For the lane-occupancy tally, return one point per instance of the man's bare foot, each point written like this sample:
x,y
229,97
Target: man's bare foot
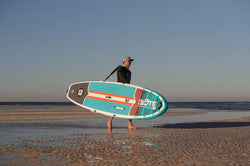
x,y
132,127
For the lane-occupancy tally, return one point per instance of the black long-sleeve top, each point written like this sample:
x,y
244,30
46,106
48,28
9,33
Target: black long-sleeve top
x,y
123,74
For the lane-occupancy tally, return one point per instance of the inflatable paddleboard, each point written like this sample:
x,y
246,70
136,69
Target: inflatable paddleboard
x,y
117,99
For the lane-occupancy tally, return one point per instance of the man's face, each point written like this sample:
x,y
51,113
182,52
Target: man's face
x,y
127,63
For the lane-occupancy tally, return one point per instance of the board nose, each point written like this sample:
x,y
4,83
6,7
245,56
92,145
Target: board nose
x,y
78,92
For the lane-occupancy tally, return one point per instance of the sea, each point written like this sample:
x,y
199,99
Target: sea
x,y
195,105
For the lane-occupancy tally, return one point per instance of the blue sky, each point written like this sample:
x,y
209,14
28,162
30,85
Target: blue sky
x,y
186,50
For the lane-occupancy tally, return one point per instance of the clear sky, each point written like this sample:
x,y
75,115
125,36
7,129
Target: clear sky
x,y
186,50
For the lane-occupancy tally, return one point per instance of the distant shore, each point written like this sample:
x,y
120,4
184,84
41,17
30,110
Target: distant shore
x,y
211,105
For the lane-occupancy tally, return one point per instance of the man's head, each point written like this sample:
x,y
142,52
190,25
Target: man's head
x,y
127,61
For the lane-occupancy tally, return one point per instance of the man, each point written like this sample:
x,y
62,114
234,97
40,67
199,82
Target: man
x,y
124,76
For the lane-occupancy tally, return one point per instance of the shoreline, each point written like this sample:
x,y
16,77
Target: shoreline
x,y
24,115
46,112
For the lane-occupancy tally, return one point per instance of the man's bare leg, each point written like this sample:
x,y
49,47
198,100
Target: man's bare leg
x,y
130,125
109,124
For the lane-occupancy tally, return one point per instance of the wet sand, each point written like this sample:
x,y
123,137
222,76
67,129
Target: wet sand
x,y
221,142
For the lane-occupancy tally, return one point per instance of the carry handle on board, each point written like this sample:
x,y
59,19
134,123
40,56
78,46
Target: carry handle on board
x,y
111,73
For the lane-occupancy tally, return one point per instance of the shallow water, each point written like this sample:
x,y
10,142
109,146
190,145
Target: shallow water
x,y
10,132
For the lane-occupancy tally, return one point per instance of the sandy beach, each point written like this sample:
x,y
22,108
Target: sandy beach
x,y
220,142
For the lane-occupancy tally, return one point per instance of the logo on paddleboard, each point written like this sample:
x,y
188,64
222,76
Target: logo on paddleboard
x,y
148,104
